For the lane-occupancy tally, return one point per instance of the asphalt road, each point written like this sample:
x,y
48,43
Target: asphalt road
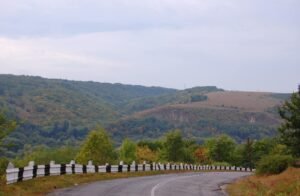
x,y
187,184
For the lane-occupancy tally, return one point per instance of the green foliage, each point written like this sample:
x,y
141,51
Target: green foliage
x,y
247,154
153,145
6,127
97,147
173,147
197,98
250,152
3,166
189,149
128,151
44,105
42,155
290,128
274,164
221,148
135,128
280,149
263,147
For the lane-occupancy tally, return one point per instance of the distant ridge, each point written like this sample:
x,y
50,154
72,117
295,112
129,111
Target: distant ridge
x,y
56,112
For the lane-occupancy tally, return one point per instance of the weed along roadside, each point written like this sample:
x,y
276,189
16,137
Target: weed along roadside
x,y
285,183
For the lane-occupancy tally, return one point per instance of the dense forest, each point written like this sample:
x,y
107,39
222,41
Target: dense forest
x,y
56,113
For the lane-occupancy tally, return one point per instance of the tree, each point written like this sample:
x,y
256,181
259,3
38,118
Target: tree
x,y
6,127
188,151
154,145
201,155
221,148
128,151
173,147
263,147
144,153
97,147
290,128
248,154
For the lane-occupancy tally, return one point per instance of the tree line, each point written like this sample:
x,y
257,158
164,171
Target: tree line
x,y
270,155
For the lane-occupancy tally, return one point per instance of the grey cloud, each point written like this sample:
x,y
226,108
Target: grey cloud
x,y
234,44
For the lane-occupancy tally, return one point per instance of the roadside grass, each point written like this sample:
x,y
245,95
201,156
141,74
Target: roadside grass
x,y
44,185
284,184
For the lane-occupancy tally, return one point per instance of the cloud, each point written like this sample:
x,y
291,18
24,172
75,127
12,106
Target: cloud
x,y
56,17
233,44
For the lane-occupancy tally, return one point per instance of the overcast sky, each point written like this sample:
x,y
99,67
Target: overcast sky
x,y
233,44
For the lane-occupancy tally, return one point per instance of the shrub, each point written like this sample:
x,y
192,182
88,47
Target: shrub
x,y
274,164
221,164
3,165
42,155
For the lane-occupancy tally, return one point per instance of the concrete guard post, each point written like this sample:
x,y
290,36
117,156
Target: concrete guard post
x,y
31,171
90,168
140,167
54,168
11,173
40,171
70,168
28,171
114,168
133,167
102,168
78,169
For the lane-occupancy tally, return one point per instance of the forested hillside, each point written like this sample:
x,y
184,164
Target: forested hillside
x,y
58,112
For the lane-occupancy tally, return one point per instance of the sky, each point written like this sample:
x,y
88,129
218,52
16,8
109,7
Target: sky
x,y
249,45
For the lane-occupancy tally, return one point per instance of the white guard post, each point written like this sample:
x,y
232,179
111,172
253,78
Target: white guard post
x,y
90,168
11,173
54,169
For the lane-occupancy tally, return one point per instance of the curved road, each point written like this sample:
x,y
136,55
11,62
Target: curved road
x,y
186,184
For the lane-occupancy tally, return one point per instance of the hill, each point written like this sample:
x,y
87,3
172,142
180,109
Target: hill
x,y
55,112
239,114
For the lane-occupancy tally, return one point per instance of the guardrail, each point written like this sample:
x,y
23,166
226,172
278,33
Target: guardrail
x,y
31,171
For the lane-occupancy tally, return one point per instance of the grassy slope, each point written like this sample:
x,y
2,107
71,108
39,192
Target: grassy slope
x,y
284,184
226,100
239,114
41,186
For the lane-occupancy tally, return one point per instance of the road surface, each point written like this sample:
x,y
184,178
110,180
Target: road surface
x,y
184,184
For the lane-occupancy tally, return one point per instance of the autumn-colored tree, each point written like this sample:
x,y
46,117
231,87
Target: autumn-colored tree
x,y
201,155
144,153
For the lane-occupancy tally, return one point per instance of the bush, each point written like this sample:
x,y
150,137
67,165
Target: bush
x,y
42,155
274,164
221,164
3,166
